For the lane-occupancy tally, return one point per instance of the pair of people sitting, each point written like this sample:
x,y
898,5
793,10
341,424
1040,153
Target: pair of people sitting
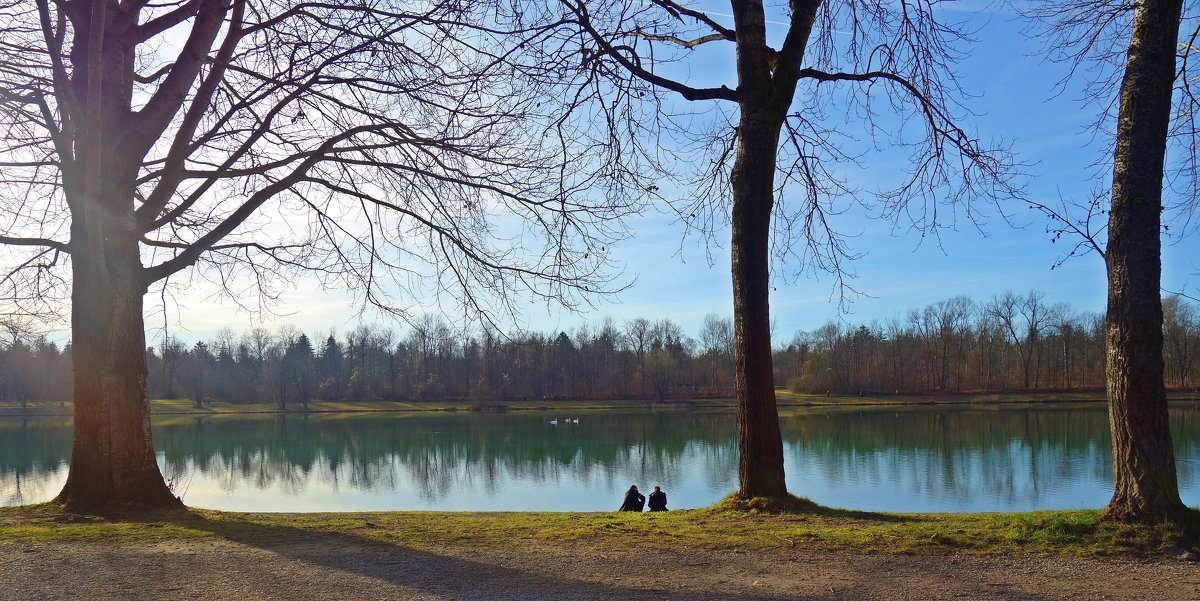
x,y
634,501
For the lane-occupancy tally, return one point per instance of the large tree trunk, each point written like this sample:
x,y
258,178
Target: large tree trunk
x,y
1146,489
112,461
760,446
766,84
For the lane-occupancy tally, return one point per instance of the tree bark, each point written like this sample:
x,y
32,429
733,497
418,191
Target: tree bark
x,y
760,445
766,85
1146,489
112,459
762,109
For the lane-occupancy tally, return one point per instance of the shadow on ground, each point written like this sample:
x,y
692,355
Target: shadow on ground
x,y
505,575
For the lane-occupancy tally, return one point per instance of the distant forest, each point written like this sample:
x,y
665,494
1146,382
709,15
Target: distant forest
x,y
1012,342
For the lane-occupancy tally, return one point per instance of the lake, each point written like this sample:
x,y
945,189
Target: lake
x,y
912,459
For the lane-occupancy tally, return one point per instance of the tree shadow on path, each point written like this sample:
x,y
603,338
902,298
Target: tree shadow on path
x,y
419,573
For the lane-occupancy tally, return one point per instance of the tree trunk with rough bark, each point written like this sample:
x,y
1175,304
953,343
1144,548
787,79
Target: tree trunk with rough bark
x,y
764,98
112,459
1146,489
760,445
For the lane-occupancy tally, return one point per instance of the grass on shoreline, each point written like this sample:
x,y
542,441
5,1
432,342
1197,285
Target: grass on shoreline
x,y
725,526
785,399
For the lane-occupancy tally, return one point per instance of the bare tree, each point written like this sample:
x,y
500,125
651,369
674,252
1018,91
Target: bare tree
x,y
1068,327
716,338
779,132
638,335
951,319
661,367
1023,319
372,143
1180,329
1142,40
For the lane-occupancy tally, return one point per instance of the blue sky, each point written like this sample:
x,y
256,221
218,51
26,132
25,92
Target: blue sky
x,y
1015,100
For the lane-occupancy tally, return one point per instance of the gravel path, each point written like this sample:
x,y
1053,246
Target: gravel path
x,y
314,565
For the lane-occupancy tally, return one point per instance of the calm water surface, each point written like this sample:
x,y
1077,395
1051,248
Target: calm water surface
x,y
908,460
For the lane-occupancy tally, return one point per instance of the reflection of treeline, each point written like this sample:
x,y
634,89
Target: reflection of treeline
x,y
1009,342
33,453
965,449
970,448
1070,428
33,446
966,429
371,452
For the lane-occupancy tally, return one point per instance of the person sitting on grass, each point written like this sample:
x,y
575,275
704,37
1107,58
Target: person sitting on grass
x,y
634,501
658,500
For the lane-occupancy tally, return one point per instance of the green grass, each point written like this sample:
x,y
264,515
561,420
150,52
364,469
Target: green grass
x,y
727,525
186,406
785,398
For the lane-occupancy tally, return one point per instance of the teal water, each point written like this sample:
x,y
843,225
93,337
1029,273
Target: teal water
x,y
925,459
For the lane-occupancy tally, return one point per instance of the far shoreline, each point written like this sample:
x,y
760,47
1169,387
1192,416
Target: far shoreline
x,y
784,399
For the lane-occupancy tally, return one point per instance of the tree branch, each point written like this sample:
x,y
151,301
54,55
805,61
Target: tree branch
x,y
153,27
786,62
68,104
192,253
633,66
149,123
933,113
181,143
676,10
45,242
692,43
231,246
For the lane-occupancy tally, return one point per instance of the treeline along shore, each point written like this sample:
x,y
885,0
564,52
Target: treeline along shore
x,y
954,349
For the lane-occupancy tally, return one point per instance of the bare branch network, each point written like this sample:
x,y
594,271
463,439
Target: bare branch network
x,y
1092,39
394,148
867,91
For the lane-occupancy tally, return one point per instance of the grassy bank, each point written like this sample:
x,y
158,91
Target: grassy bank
x,y
786,399
722,527
187,407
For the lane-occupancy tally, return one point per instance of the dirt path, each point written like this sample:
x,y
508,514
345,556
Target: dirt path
x,y
314,565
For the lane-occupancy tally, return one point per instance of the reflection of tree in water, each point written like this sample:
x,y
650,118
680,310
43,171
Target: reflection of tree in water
x,y
268,452
1012,455
18,488
438,455
33,458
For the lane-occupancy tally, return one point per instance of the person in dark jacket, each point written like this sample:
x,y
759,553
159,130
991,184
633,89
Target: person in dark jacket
x,y
658,500
634,501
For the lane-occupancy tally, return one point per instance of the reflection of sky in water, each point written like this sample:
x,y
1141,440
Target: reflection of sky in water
x,y
1009,478
28,487
900,461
